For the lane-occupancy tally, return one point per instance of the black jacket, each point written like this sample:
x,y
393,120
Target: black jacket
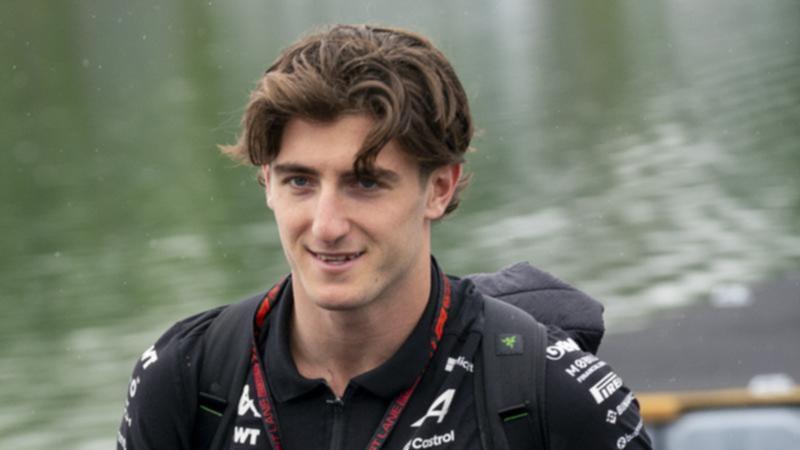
x,y
587,405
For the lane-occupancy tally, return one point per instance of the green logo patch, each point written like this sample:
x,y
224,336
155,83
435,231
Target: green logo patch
x,y
508,344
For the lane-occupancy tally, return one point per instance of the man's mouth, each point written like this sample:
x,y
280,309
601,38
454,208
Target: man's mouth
x,y
336,258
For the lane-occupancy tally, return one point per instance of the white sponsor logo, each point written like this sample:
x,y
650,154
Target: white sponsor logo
x,y
246,403
624,440
433,441
125,415
611,417
241,435
579,364
460,362
624,404
598,365
122,441
133,386
605,387
438,408
149,357
560,348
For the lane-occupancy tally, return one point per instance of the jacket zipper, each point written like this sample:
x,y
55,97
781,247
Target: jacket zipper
x,y
337,432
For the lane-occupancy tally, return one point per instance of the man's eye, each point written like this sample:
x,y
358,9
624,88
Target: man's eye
x,y
298,182
367,184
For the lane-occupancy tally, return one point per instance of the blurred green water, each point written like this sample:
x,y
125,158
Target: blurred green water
x,y
646,151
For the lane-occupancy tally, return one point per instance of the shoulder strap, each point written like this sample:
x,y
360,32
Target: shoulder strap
x,y
514,346
223,369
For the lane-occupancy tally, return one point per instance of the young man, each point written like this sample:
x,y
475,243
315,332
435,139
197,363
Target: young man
x,y
359,134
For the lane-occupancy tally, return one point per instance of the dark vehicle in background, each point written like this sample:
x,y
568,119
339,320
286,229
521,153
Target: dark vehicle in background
x,y
725,419
719,375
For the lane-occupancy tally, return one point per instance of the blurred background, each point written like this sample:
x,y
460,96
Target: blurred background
x,y
648,152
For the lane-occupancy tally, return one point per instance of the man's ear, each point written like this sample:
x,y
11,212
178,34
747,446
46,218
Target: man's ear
x,y
265,180
441,185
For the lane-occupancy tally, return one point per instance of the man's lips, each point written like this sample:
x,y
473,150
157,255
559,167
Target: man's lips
x,y
336,257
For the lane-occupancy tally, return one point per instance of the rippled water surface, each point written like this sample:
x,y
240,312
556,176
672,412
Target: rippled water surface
x,y
645,151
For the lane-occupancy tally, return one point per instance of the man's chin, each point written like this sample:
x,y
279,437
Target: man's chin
x,y
329,295
339,304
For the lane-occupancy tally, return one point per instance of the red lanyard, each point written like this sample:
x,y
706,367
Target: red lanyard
x,y
396,408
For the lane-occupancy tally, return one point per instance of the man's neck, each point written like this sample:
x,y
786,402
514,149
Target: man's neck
x,y
340,345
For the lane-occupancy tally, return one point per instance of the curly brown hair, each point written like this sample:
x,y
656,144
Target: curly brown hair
x,y
395,76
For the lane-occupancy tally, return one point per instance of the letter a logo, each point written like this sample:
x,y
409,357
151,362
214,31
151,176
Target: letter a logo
x,y
438,408
246,404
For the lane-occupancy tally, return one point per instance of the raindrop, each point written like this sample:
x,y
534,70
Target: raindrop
x,y
144,37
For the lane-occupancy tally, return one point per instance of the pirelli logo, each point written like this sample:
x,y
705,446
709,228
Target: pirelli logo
x,y
605,387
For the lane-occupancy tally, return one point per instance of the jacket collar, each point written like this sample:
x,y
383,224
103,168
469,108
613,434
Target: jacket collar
x,y
386,381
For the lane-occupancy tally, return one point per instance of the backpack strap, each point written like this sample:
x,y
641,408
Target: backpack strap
x,y
514,346
223,370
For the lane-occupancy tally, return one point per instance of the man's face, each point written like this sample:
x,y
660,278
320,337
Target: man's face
x,y
352,242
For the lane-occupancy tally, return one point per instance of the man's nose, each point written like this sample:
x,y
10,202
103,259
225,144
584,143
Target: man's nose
x,y
330,217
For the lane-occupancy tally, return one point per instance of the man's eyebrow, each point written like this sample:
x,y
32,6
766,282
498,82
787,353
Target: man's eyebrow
x,y
293,168
377,173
